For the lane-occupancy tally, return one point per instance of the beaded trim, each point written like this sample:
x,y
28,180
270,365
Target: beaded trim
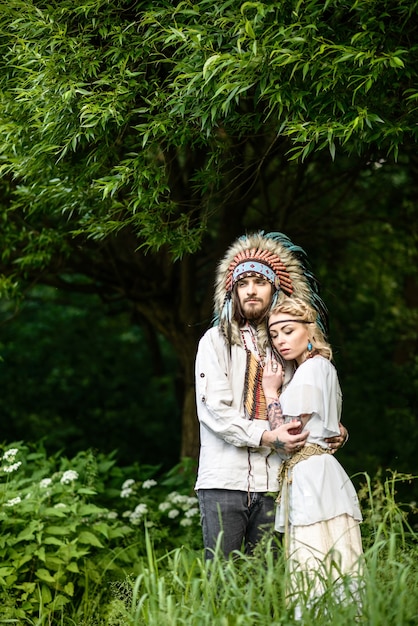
x,y
254,267
266,260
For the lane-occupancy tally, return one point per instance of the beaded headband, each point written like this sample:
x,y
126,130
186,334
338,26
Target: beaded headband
x,y
262,262
248,268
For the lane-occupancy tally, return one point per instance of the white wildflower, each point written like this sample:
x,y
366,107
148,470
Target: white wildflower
x,y
126,513
177,498
60,505
13,501
173,513
10,455
112,515
11,468
125,493
141,509
186,522
192,512
45,482
164,506
139,512
128,483
68,477
147,484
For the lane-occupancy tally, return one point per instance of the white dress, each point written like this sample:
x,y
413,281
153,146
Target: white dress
x,y
318,510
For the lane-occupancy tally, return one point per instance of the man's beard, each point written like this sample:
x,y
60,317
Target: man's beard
x,y
255,313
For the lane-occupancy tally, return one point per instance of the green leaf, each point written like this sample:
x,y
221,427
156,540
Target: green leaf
x,y
53,541
69,588
59,601
210,61
86,537
46,593
28,533
59,530
45,575
89,509
396,62
27,587
53,561
55,512
249,29
72,567
103,528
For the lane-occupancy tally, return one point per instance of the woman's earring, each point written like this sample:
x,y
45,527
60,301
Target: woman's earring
x,y
309,346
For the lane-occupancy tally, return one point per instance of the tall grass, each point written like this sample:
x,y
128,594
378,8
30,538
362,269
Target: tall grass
x,y
83,543
180,588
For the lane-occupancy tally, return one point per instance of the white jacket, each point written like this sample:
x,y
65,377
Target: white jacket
x,y
230,453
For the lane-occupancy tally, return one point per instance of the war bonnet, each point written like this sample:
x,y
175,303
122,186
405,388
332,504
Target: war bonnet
x,y
274,257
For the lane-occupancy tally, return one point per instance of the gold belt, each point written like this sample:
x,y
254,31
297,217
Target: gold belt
x,y
308,450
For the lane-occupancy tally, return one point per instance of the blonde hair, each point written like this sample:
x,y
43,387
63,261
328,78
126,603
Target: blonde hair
x,y
299,309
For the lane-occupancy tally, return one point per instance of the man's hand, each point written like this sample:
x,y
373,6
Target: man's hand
x,y
338,441
282,441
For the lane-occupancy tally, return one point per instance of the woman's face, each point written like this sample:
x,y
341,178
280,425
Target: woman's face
x,y
290,338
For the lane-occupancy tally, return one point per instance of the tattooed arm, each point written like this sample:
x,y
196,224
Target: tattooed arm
x,y
281,440
273,375
279,437
274,413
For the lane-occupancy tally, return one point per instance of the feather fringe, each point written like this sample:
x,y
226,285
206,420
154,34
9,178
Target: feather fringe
x,y
295,267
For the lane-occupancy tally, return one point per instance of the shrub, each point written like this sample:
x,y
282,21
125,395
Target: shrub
x,y
66,532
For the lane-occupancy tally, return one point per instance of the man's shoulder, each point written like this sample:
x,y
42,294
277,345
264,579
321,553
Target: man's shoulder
x,y
215,337
211,342
212,334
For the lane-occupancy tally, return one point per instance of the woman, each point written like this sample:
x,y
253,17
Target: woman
x,y
317,508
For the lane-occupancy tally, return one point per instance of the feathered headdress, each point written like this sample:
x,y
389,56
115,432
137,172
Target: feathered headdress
x,y
276,258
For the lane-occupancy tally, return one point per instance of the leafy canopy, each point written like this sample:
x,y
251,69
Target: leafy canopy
x,y
102,104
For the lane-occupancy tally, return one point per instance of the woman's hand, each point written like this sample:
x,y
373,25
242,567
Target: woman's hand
x,y
273,376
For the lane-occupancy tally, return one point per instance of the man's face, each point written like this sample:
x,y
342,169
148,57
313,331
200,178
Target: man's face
x,y
254,294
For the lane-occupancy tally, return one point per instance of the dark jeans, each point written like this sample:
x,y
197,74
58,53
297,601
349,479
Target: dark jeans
x,y
242,517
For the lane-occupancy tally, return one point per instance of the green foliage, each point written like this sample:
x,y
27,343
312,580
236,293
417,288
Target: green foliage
x,y
182,589
69,527
55,540
384,516
86,542
82,377
102,102
315,70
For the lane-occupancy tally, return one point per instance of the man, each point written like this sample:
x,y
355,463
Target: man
x,y
238,464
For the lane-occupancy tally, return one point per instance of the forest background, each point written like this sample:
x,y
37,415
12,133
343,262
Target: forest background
x,y
137,141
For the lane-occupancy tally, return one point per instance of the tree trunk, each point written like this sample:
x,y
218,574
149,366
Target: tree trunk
x,y
190,425
189,422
